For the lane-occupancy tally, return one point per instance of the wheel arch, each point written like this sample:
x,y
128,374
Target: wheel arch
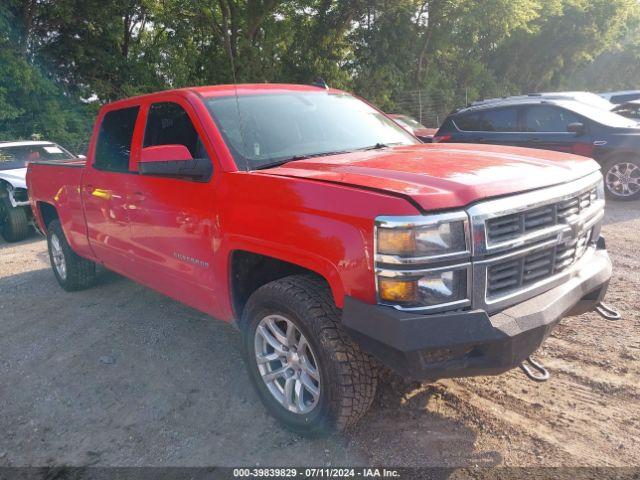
x,y
618,154
250,270
5,185
46,213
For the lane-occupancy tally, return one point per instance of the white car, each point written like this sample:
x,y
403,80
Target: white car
x,y
15,214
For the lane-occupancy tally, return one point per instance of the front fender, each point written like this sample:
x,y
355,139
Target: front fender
x,y
321,226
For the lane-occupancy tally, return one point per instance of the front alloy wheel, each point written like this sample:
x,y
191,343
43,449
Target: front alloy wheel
x,y
287,364
622,179
306,369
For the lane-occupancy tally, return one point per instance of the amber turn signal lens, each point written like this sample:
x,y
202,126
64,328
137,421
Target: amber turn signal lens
x,y
396,242
391,290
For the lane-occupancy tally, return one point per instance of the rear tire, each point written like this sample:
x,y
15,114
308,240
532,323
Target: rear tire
x,y
72,271
14,221
622,178
341,378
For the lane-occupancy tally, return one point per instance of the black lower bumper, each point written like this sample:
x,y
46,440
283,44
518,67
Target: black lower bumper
x,y
462,344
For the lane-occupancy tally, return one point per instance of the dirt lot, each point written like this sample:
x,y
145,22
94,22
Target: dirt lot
x,y
120,375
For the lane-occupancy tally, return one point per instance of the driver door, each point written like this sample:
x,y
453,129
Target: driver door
x,y
172,218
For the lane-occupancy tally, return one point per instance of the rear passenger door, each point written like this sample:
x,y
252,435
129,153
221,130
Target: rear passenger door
x,y
546,128
105,188
497,127
173,218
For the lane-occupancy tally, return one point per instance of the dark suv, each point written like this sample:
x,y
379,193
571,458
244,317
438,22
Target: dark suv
x,y
562,125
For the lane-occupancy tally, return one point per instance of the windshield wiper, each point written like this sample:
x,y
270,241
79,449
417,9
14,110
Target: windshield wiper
x,y
294,158
379,146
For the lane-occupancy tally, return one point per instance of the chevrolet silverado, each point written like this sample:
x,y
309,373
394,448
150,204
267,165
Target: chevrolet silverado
x,y
335,241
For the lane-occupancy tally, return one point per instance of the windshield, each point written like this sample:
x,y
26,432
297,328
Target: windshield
x,y
594,100
18,156
603,117
288,126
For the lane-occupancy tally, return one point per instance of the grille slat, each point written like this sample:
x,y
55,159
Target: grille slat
x,y
504,227
503,285
508,227
562,254
511,275
541,217
513,271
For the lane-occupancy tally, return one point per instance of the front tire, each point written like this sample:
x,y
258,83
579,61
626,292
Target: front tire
x,y
307,371
622,178
13,221
72,271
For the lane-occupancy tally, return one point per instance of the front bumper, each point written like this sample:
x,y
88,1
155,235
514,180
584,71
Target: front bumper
x,y
469,343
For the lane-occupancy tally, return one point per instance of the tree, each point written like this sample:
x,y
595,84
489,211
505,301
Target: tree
x,y
63,58
31,103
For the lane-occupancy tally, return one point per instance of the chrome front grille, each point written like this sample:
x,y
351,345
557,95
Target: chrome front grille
x,y
504,228
504,277
526,244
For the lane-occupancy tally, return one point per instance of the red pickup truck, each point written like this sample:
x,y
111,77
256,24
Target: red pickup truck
x,y
332,238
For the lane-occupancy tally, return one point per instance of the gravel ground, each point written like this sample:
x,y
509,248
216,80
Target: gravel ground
x,y
122,376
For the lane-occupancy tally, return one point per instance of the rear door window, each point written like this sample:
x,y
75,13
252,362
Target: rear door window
x,y
499,120
469,123
169,124
547,118
114,140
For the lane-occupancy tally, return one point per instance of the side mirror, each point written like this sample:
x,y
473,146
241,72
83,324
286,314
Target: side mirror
x,y
576,127
82,157
173,161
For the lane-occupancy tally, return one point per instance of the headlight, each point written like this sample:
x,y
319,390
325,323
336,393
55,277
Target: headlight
x,y
439,288
420,239
422,263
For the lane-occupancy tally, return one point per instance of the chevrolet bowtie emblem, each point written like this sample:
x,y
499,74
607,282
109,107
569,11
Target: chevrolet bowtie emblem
x,y
576,228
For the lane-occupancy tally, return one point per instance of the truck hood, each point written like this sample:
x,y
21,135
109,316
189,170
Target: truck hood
x,y
15,177
442,176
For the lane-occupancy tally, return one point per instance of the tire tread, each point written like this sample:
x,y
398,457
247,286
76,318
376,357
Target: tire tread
x,y
17,226
81,272
356,379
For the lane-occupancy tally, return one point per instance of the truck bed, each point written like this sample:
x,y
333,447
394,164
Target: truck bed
x,y
58,184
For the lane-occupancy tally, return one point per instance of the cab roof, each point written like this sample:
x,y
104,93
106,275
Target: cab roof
x,y
508,102
233,89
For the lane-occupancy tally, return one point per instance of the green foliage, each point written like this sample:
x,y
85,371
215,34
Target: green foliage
x,y
33,105
411,55
562,39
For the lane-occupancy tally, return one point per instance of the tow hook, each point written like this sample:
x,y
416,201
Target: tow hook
x,y
607,312
538,373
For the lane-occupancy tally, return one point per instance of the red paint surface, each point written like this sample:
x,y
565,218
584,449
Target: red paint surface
x,y
178,236
165,153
